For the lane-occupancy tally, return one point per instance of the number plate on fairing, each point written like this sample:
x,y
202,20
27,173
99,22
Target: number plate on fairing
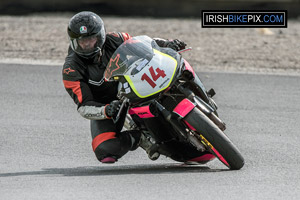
x,y
155,77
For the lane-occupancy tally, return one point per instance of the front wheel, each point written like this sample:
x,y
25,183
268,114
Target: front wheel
x,y
214,139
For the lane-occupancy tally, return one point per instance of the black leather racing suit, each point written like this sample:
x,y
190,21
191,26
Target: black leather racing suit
x,y
83,80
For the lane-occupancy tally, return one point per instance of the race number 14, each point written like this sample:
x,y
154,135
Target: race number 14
x,y
155,76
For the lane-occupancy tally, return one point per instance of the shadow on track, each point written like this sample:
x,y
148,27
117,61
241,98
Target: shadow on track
x,y
118,170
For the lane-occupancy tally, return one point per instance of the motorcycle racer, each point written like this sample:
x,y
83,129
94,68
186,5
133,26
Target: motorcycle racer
x,y
88,55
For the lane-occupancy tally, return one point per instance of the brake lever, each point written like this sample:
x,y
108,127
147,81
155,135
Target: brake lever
x,y
124,100
184,50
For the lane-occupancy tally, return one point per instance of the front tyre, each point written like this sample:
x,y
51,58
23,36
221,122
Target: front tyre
x,y
215,140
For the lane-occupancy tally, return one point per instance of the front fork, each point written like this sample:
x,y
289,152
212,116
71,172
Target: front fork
x,y
176,120
203,106
185,133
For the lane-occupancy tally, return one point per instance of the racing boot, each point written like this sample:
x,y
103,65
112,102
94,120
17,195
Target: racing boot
x,y
150,147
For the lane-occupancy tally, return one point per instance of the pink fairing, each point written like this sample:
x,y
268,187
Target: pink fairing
x,y
142,112
188,67
204,158
184,107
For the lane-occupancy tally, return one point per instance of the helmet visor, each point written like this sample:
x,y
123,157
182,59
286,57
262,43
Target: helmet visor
x,y
88,45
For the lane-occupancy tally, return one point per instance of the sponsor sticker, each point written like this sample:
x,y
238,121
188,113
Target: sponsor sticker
x,y
83,29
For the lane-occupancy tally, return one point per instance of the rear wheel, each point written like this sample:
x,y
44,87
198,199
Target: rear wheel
x,y
215,140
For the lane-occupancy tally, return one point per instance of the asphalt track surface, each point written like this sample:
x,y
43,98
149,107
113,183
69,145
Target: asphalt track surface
x,y
46,153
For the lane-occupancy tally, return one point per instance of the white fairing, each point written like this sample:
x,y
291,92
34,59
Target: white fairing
x,y
153,77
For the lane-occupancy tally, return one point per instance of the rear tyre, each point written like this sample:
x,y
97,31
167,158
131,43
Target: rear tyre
x,y
219,144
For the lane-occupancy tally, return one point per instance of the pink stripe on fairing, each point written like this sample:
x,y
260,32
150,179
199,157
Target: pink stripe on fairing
x,y
190,126
220,157
206,157
184,107
142,112
189,67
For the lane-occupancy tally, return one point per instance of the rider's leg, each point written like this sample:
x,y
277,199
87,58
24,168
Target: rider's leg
x,y
110,145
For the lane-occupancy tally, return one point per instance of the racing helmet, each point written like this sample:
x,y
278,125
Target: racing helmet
x,y
86,34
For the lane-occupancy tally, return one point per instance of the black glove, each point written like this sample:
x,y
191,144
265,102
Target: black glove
x,y
112,109
176,44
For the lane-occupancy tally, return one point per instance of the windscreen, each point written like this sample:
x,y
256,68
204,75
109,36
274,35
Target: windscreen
x,y
135,51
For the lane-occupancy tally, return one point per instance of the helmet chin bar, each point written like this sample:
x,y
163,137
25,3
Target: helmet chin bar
x,y
76,48
90,55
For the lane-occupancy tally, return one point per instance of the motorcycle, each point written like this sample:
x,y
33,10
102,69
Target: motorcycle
x,y
163,98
